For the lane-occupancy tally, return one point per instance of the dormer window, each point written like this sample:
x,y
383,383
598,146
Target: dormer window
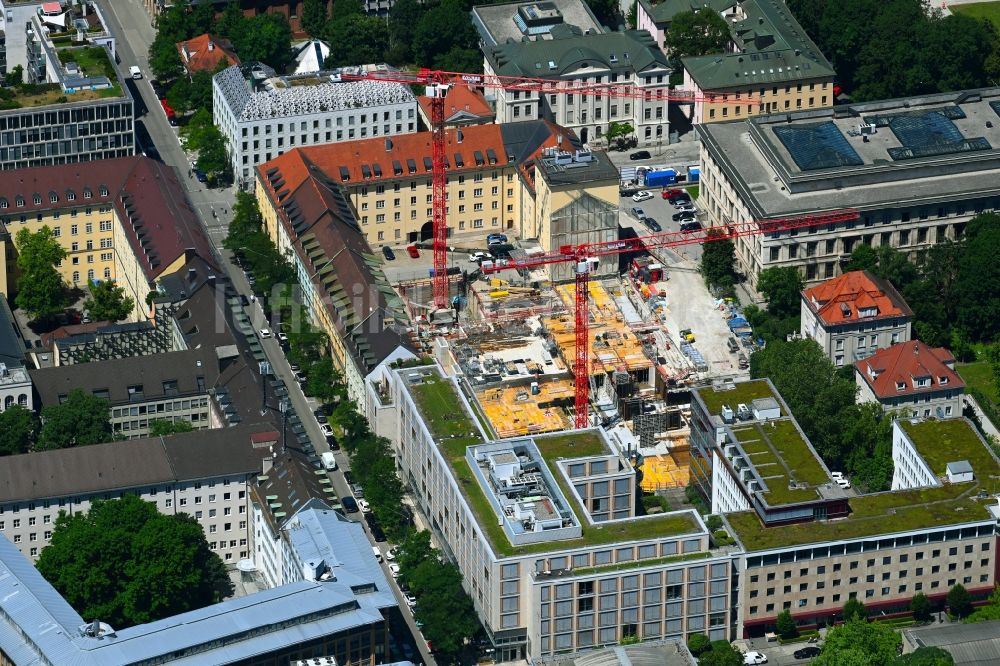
x,y
70,195
942,380
3,202
868,312
37,199
53,197
19,201
87,193
922,382
104,190
900,386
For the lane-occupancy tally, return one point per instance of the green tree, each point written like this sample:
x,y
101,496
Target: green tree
x,y
164,60
925,656
866,446
412,552
440,30
314,16
17,430
699,644
356,38
231,22
696,33
81,420
40,289
403,22
164,427
14,77
606,11
246,221
125,563
618,134
785,625
324,382
721,654
959,601
854,610
213,154
978,283
443,608
717,260
920,606
108,302
782,287
858,642
990,611
266,38
191,94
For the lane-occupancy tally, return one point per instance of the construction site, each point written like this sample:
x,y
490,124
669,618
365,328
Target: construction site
x,y
511,337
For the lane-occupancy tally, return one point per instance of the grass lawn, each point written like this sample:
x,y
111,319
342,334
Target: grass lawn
x,y
978,374
693,191
768,446
987,10
451,428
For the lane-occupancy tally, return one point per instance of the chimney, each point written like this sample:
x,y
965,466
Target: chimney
x,y
211,45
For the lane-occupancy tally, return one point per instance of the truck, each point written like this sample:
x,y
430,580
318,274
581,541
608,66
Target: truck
x,y
329,462
740,327
135,72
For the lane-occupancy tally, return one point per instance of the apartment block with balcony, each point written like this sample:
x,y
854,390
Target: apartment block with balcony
x,y
911,379
545,530
809,545
874,159
854,315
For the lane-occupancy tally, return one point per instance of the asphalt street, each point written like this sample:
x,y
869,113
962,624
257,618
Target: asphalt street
x,y
214,209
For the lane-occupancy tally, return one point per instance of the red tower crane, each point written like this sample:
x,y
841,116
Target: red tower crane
x,y
437,82
581,255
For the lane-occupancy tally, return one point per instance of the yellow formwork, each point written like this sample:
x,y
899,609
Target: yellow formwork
x,y
613,345
666,470
514,411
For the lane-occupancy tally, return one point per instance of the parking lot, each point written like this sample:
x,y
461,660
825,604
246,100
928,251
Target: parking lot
x,y
403,267
662,211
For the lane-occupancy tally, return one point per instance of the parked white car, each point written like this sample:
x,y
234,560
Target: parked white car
x,y
394,569
265,333
753,658
363,505
641,195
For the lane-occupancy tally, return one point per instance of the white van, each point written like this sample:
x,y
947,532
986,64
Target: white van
x,y
135,72
329,462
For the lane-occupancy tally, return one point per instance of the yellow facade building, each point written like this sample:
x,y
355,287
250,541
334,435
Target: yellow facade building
x,y
127,221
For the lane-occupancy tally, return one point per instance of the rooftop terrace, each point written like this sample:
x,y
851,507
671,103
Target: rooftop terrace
x,y
939,442
742,392
454,431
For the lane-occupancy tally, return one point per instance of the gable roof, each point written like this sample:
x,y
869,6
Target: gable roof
x,y
205,53
462,105
367,313
156,216
900,365
663,12
841,300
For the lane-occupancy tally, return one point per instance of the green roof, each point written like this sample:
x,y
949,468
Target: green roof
x,y
939,442
451,427
953,440
745,392
779,453
631,51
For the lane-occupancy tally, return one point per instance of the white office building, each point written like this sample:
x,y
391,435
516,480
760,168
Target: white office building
x,y
262,115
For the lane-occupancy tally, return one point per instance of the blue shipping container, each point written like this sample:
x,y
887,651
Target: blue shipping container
x,y
661,178
694,174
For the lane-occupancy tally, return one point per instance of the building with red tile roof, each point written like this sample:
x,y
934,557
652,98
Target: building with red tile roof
x,y
128,221
913,378
206,53
388,179
462,106
854,315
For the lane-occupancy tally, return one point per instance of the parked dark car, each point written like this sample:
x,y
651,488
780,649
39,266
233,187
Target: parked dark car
x,y
640,155
807,652
349,504
691,226
201,176
388,253
375,528
348,477
157,88
653,225
684,216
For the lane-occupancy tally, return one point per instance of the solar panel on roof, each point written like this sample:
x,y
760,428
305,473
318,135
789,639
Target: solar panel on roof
x,y
817,146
